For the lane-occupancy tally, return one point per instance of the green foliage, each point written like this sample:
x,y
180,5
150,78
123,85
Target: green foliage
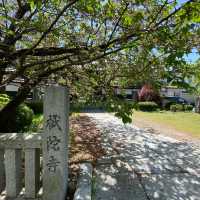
x,y
24,118
167,106
35,4
37,123
180,107
177,107
147,106
188,107
153,37
122,109
37,107
79,106
24,114
4,99
4,96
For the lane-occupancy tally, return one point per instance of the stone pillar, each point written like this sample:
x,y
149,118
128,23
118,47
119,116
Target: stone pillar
x,y
13,165
32,172
2,171
55,143
84,185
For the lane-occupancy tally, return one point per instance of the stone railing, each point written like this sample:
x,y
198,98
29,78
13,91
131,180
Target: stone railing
x,y
21,154
20,164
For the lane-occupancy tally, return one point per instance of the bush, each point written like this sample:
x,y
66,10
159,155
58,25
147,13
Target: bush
x,y
188,107
24,115
177,107
147,106
168,105
4,99
37,107
180,107
37,123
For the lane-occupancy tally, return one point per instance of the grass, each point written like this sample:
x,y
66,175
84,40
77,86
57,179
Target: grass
x,y
186,122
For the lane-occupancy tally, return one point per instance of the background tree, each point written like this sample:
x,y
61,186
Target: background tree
x,y
194,82
148,93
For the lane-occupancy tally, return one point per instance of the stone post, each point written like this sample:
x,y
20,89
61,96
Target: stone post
x,y
55,143
13,166
2,171
32,172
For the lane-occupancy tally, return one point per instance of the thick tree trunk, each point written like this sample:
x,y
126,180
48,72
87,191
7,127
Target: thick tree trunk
x,y
8,113
197,105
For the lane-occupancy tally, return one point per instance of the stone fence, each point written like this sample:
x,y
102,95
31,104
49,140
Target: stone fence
x,y
15,150
27,160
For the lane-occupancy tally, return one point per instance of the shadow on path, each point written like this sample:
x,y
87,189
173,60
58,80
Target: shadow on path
x,y
141,165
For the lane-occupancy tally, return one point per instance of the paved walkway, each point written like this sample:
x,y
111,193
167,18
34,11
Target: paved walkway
x,y
144,166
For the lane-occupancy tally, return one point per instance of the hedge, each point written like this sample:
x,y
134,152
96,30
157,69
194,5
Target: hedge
x,y
188,107
176,107
147,106
180,107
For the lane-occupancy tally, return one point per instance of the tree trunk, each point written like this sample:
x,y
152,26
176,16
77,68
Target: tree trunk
x,y
197,105
8,113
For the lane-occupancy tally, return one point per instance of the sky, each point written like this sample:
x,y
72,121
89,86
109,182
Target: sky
x,y
192,57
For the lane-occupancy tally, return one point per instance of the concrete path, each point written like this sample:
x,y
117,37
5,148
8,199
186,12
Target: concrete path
x,y
144,166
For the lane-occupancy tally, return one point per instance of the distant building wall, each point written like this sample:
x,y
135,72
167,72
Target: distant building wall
x,y
12,88
168,92
171,92
35,95
178,92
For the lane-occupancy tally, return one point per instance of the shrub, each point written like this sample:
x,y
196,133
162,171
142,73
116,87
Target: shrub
x,y
24,114
37,123
4,96
180,107
177,107
147,106
37,107
136,105
4,99
188,107
168,105
24,117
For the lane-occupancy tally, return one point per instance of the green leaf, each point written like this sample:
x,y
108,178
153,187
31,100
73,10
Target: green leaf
x,y
32,4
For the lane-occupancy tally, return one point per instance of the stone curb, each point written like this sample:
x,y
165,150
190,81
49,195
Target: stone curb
x,y
84,185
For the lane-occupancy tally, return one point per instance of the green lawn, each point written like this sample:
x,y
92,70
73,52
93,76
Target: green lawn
x,y
181,121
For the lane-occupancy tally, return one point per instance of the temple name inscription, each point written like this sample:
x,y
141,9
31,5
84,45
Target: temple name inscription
x,y
53,142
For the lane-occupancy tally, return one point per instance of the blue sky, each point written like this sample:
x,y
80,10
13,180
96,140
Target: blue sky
x,y
192,57
182,1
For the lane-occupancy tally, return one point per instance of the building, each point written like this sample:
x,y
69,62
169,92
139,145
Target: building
x,y
169,91
178,92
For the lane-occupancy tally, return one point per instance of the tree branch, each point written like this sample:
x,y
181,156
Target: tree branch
x,y
118,21
53,23
174,12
